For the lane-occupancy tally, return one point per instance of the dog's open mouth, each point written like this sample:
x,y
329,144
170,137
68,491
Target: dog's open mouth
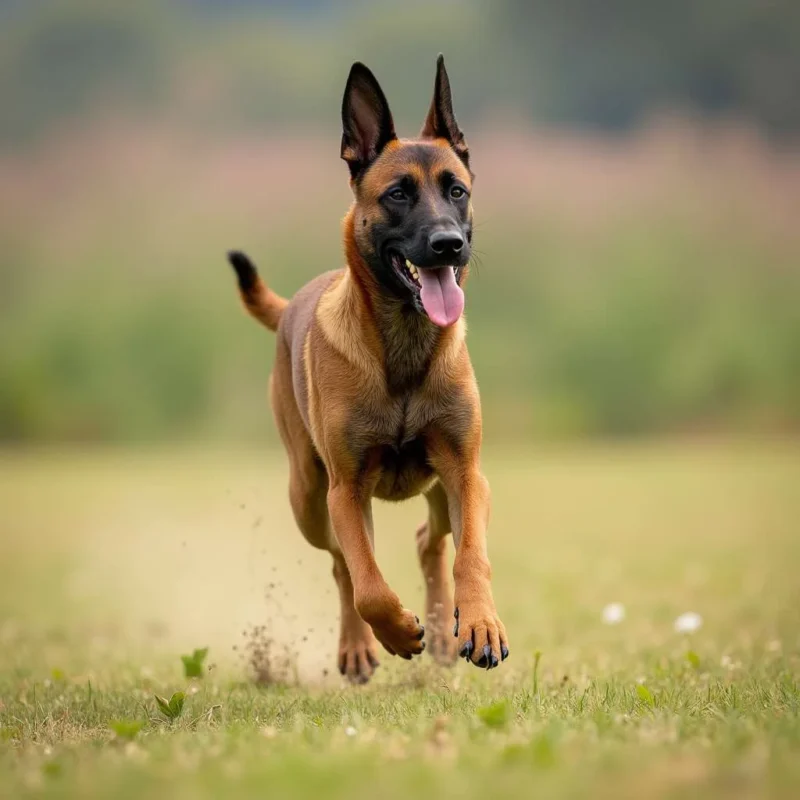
x,y
441,296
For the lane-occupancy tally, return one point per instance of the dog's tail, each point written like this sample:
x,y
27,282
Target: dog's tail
x,y
260,301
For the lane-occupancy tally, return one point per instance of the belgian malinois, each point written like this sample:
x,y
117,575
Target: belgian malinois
x,y
373,391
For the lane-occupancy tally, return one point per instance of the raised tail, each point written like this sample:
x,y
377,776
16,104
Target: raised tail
x,y
262,303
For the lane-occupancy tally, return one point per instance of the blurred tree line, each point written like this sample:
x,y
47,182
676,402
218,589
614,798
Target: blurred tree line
x,y
118,316
608,63
272,63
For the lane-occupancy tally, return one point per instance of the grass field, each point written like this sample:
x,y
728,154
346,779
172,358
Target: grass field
x,y
113,564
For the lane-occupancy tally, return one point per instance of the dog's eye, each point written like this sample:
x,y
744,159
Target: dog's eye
x,y
398,195
457,192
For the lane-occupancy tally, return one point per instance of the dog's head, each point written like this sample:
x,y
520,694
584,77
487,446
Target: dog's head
x,y
413,212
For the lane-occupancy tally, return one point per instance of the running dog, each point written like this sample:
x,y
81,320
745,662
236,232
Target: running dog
x,y
373,391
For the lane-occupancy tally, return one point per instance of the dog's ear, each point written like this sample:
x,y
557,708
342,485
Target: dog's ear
x,y
441,121
367,125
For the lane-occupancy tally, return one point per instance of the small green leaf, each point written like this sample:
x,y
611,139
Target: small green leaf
x,y
57,674
496,715
693,659
191,669
176,704
163,706
173,707
645,695
193,664
126,729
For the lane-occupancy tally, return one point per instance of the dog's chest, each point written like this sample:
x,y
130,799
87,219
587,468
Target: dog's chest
x,y
397,448
397,421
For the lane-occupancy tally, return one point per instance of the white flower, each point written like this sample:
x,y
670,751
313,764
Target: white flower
x,y
688,622
350,731
613,613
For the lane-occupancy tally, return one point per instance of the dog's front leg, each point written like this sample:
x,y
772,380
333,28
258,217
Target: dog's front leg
x,y
481,635
395,627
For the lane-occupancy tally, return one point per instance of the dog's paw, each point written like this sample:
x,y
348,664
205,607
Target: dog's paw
x,y
400,633
358,658
480,635
395,627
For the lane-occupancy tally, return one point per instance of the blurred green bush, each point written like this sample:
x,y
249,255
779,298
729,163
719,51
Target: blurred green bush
x,y
128,167
634,329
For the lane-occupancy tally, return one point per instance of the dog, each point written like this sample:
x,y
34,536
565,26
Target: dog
x,y
373,391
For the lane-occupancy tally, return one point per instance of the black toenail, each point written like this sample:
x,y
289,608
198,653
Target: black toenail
x,y
503,652
494,662
455,613
455,629
421,632
466,650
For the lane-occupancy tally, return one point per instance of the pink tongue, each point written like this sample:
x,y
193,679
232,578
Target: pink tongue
x,y
442,297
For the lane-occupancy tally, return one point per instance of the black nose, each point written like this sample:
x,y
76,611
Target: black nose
x,y
446,242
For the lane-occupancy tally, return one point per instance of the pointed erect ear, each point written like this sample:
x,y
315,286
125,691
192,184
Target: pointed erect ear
x,y
367,125
441,122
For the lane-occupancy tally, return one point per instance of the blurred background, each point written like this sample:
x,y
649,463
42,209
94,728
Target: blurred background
x,y
637,199
634,316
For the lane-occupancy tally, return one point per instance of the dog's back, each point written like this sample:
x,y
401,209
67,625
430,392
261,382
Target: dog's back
x,y
293,331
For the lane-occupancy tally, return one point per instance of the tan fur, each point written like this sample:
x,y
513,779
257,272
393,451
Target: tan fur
x,y
389,408
264,305
338,315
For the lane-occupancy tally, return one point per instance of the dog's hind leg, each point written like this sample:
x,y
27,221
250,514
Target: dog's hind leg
x,y
432,552
357,643
308,490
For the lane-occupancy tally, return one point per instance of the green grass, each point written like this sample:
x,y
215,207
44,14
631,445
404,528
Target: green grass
x,y
113,565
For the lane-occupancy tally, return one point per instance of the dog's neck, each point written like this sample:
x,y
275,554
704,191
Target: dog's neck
x,y
409,341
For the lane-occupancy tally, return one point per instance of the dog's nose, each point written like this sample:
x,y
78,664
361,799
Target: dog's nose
x,y
446,243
